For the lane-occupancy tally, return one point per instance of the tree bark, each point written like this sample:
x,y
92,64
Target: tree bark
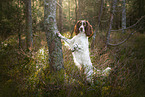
x,y
79,9
111,22
29,35
141,13
123,16
60,17
76,11
69,5
97,28
54,43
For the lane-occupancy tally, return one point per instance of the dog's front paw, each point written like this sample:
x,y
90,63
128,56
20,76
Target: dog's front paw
x,y
58,34
76,47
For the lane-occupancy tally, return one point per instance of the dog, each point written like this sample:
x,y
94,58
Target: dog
x,y
79,46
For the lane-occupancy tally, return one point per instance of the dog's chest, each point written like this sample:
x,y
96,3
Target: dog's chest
x,y
82,40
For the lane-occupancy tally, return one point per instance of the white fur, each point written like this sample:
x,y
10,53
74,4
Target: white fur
x,y
80,46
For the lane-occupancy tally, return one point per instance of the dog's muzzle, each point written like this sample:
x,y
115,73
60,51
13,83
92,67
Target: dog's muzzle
x,y
81,29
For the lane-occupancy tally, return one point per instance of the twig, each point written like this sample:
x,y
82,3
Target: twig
x,y
122,41
58,4
129,26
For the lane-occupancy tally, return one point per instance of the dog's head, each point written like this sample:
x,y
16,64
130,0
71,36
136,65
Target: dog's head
x,y
83,26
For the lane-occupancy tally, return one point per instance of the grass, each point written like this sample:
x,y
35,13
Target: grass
x,y
27,74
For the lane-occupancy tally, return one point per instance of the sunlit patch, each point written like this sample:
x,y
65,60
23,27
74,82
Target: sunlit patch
x,y
41,57
41,51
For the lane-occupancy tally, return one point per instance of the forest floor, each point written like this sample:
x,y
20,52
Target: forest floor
x,y
25,74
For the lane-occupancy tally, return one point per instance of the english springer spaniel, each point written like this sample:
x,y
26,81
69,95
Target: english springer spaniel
x,y
79,46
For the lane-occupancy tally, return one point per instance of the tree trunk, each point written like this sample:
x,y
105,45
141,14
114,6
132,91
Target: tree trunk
x,y
69,5
141,13
76,11
19,24
79,9
54,43
111,22
60,17
97,28
123,16
29,35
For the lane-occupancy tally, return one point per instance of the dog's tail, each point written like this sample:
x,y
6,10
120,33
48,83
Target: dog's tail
x,y
105,72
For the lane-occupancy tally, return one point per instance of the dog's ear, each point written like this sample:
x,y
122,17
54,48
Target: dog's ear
x,y
89,29
76,28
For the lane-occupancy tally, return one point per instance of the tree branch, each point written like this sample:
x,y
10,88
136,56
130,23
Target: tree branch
x,y
129,26
122,41
129,34
58,4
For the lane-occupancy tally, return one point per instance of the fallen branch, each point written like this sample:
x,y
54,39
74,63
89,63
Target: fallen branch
x,y
129,34
129,26
122,41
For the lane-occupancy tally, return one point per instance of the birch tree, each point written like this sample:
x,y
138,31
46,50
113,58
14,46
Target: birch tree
x,y
123,16
54,43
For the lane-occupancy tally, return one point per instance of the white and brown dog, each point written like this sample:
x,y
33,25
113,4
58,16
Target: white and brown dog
x,y
79,46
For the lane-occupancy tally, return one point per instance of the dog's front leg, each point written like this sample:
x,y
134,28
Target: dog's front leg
x,y
63,38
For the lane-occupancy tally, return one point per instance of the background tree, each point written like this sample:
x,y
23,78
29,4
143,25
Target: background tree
x,y
60,24
98,24
136,11
76,10
111,21
123,15
29,35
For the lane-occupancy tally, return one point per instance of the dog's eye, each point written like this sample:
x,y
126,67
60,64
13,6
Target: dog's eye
x,y
79,23
84,24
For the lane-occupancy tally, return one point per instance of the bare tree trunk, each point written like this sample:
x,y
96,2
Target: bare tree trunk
x,y
79,9
29,35
76,19
111,22
123,16
69,5
141,13
19,29
97,28
76,11
54,43
60,17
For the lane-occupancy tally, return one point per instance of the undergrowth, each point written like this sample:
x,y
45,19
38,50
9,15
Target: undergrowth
x,y
27,74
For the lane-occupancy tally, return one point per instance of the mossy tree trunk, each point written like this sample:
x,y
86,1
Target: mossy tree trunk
x,y
60,17
54,43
